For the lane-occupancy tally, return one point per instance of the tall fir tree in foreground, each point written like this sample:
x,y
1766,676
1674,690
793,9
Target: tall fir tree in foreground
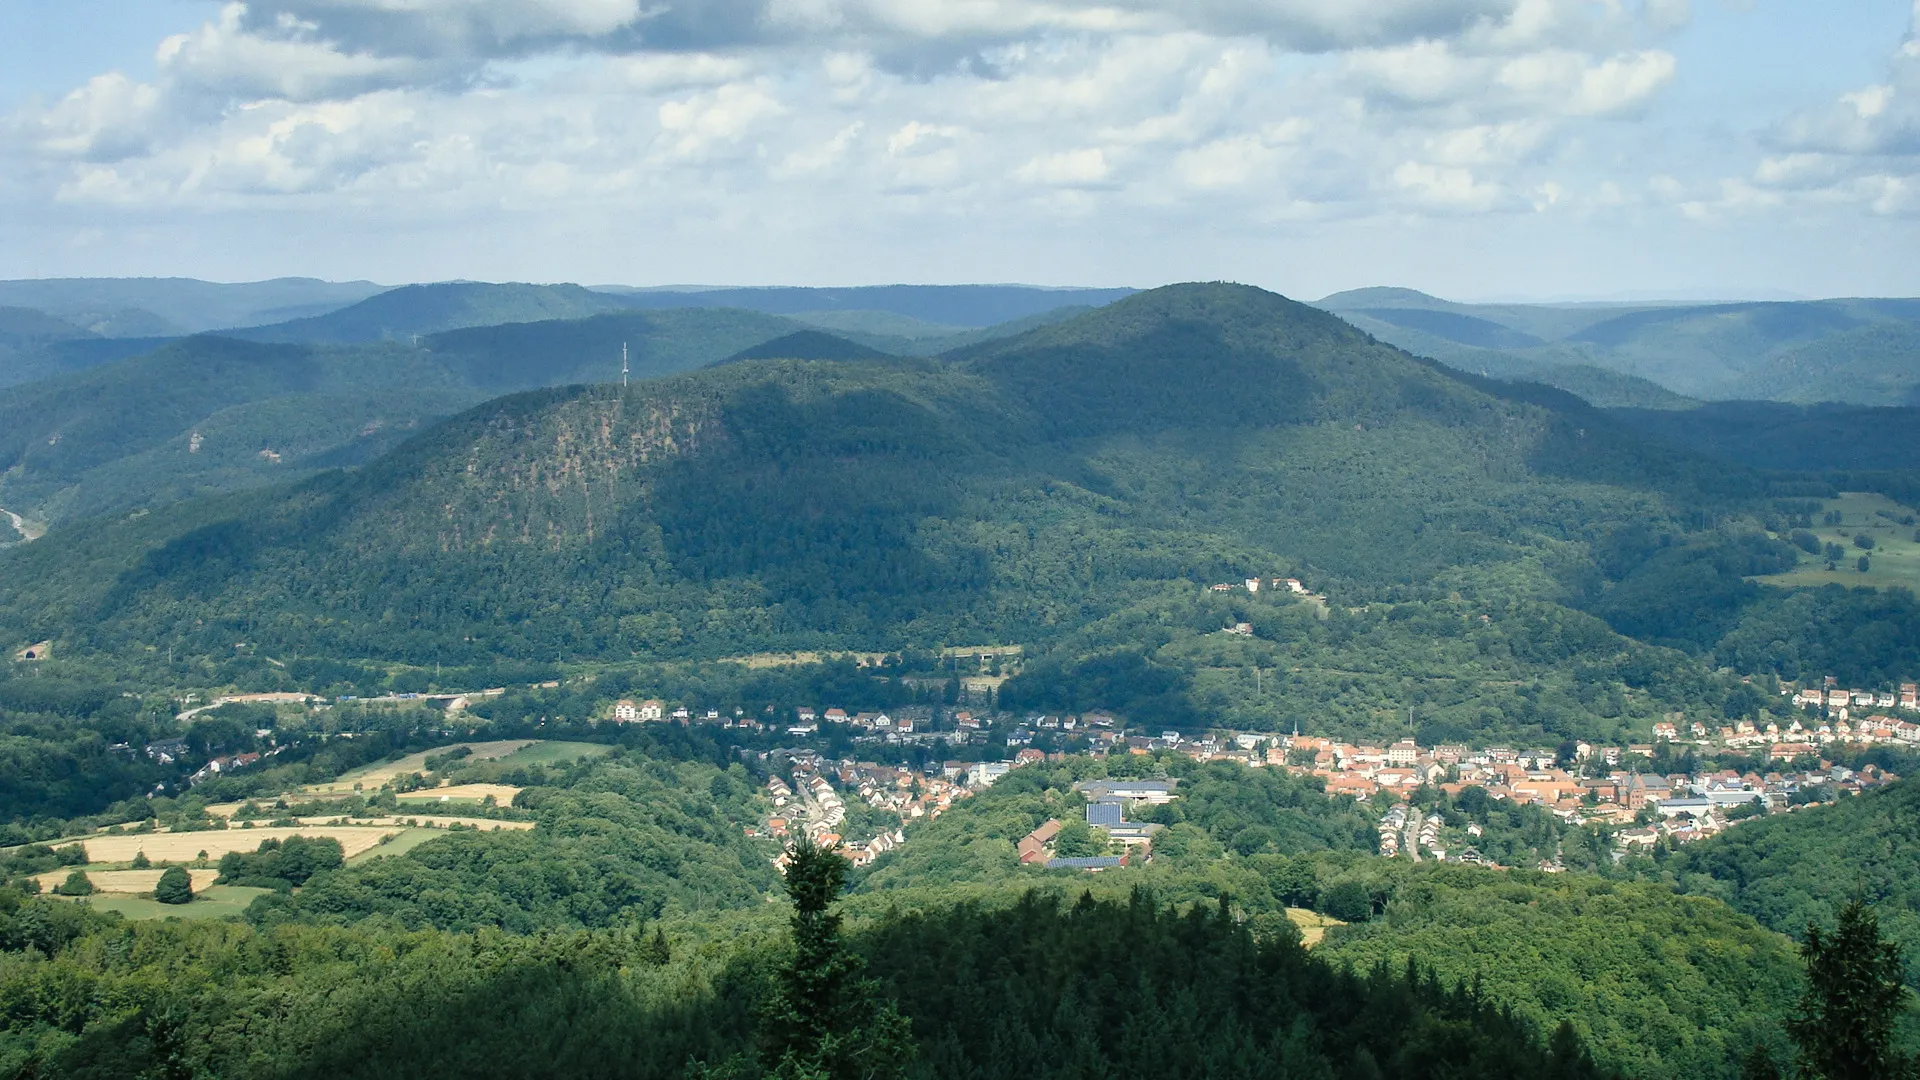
x,y
829,1021
1855,992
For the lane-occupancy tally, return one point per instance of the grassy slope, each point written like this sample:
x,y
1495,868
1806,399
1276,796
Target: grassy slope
x,y
1894,561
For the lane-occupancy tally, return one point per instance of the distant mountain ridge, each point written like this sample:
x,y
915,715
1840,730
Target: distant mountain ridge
x,y
398,314
176,306
1860,351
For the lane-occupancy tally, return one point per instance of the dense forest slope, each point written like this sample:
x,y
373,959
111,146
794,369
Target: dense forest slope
x,y
211,414
1076,488
1772,435
1031,988
1194,434
1794,870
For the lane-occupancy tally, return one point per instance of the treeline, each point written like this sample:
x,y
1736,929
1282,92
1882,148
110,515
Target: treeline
x,y
1521,672
1791,871
1037,987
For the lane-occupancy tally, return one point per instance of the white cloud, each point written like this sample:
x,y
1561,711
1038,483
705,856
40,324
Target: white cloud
x,y
109,118
1446,187
845,117
696,124
1862,148
1070,168
225,58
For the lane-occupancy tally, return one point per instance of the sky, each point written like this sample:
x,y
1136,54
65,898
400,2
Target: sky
x,y
1476,149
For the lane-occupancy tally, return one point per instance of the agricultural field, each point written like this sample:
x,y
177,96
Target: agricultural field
x,y
217,902
419,821
502,794
548,753
370,777
1894,561
124,881
186,847
1313,925
401,843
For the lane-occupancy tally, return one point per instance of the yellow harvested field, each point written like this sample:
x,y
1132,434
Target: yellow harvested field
x,y
184,847
372,776
502,793
1313,925
125,881
430,821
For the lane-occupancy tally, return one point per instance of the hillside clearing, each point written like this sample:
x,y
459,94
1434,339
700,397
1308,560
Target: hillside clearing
x,y
217,902
1313,925
1893,562
549,752
370,777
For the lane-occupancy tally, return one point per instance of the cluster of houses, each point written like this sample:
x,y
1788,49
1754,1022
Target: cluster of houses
x,y
812,806
1645,807
806,721
1403,827
1106,811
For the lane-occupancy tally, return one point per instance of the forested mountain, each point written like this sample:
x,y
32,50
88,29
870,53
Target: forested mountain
x,y
35,345
1853,350
947,305
1194,433
210,414
1075,488
403,313
1878,364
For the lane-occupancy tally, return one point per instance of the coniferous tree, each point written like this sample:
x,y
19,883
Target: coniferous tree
x,y
658,953
1855,991
828,1021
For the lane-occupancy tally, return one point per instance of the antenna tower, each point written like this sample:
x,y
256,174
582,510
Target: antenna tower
x,y
623,365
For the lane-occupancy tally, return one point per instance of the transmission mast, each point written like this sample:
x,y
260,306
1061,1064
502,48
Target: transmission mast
x,y
623,365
